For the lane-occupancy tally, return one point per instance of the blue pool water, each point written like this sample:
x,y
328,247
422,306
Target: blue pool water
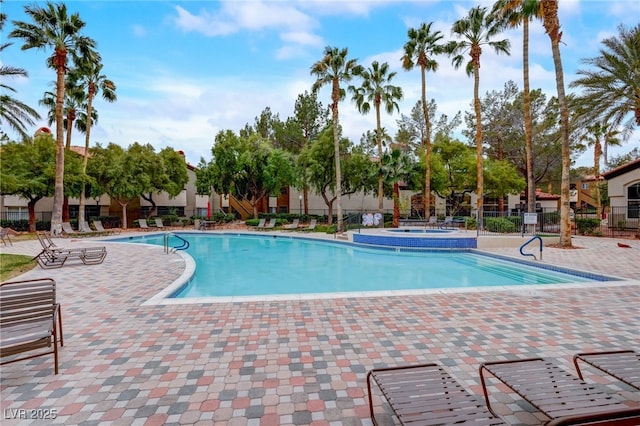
x,y
241,265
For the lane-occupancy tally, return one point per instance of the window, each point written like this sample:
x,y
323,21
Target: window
x,y
633,201
585,185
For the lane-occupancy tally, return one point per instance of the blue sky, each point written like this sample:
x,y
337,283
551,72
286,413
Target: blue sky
x,y
185,70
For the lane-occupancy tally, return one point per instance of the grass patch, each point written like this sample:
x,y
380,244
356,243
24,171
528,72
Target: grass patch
x,y
12,265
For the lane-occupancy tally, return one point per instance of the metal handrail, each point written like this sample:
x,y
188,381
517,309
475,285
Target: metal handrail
x,y
185,244
527,243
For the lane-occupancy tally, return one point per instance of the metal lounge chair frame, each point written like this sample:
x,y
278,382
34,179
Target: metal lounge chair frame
x,y
562,397
4,233
311,226
426,394
270,224
159,223
53,256
623,365
293,225
30,319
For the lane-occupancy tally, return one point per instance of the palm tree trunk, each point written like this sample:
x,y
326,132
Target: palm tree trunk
x,y
379,141
58,194
427,147
396,204
597,152
552,27
85,158
528,137
335,97
476,107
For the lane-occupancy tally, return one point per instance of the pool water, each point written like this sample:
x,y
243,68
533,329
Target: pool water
x,y
243,265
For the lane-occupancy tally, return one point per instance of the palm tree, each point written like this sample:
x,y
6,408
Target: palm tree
x,y
476,30
551,25
611,91
88,75
377,89
422,46
333,68
514,13
15,113
74,103
396,166
53,28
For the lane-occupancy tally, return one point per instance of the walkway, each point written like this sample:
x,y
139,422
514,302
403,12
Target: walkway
x,y
294,362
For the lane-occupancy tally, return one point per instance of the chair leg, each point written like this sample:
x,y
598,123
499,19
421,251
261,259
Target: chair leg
x,y
60,326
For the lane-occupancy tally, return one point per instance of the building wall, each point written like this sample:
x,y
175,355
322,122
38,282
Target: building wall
x,y
618,187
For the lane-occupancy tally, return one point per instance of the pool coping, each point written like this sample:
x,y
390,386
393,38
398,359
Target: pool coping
x,y
163,296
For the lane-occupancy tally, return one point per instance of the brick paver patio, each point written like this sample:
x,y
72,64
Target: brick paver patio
x,y
297,362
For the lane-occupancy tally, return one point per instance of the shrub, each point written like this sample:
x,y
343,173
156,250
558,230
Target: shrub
x,y
471,223
587,226
499,224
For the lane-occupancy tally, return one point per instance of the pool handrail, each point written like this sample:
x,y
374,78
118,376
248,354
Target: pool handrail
x,y
535,237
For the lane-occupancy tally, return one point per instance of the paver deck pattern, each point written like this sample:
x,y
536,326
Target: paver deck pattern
x,y
296,362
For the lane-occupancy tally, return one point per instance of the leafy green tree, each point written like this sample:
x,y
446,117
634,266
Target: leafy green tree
x,y
551,23
454,171
116,173
477,29
333,68
248,167
503,131
358,172
88,76
376,90
165,171
515,13
54,28
15,113
309,118
28,171
421,48
502,179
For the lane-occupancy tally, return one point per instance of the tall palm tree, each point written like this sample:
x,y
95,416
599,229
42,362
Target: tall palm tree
x,y
333,68
551,25
15,113
73,105
477,29
611,91
420,50
54,28
377,89
514,13
88,76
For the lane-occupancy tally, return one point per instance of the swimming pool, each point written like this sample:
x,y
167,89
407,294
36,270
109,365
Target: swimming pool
x,y
249,265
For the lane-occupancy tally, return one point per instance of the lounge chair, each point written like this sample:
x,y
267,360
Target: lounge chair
x,y
30,320
4,234
292,225
448,220
311,226
68,230
142,223
261,223
53,256
159,223
270,224
623,365
100,228
85,228
427,395
432,222
562,397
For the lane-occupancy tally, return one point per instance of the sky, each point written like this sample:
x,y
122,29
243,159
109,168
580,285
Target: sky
x,y
185,70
